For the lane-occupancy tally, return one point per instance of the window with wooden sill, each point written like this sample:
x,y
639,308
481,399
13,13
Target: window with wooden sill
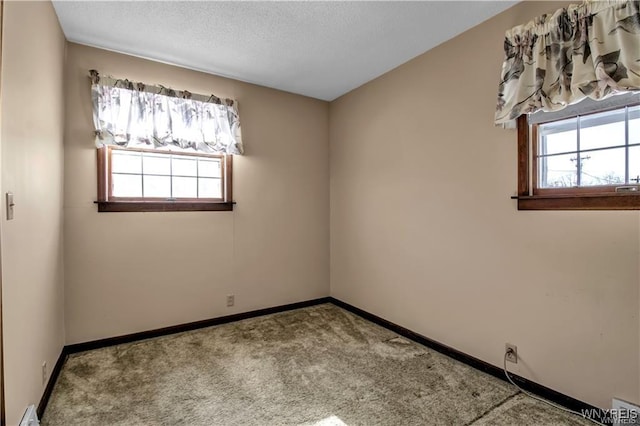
x,y
588,161
142,180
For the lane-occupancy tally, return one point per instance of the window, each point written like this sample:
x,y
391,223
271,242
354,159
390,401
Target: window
x,y
591,151
133,179
582,63
580,161
194,138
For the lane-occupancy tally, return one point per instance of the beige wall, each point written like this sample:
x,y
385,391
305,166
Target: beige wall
x,y
129,272
423,232
32,167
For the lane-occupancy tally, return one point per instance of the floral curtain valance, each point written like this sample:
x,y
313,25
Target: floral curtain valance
x,y
136,115
588,50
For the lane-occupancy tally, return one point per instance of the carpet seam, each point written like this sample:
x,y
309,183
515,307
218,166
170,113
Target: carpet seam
x,y
495,407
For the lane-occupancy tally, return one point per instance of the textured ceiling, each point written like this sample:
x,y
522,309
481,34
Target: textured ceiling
x,y
317,49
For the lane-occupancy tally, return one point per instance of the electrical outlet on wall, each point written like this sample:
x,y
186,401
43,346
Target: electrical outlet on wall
x,y
44,373
231,300
511,352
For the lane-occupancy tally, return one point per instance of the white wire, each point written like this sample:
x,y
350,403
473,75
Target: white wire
x,y
559,407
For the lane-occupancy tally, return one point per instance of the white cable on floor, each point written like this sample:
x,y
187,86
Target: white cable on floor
x,y
506,373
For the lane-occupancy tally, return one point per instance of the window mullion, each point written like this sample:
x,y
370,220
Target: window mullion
x,y
579,159
170,175
626,145
142,173
542,163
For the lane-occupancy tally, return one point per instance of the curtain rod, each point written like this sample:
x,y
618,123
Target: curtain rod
x,y
97,79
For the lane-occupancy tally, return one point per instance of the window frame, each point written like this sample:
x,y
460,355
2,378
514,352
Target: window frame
x,y
108,203
531,197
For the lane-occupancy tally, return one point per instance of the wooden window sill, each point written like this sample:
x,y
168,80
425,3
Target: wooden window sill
x,y
609,201
163,206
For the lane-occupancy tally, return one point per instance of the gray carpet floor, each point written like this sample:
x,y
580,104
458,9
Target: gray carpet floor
x,y
318,366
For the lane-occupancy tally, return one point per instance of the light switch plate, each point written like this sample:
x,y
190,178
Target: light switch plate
x,y
10,205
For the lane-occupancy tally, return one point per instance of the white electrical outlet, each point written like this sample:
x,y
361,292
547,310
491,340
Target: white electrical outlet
x,y
231,300
511,351
44,373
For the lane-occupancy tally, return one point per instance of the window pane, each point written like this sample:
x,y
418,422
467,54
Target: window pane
x,y
604,167
559,136
210,188
209,168
125,162
185,187
634,165
558,171
185,166
166,175
157,186
634,125
602,130
127,185
156,164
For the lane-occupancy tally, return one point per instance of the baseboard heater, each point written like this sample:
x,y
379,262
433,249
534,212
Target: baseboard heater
x,y
625,413
30,417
